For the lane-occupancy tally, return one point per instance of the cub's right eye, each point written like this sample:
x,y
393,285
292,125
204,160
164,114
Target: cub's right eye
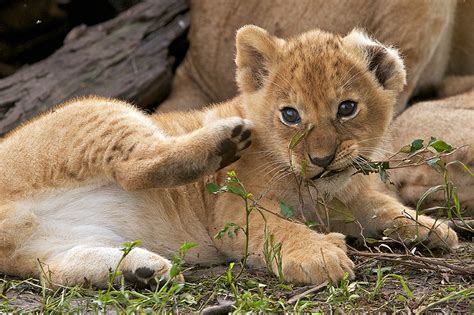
x,y
290,116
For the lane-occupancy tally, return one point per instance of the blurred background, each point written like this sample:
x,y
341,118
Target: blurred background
x,y
31,30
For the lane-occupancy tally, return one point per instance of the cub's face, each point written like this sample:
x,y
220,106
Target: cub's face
x,y
337,91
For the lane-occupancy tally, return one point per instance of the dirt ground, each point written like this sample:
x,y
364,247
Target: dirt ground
x,y
443,285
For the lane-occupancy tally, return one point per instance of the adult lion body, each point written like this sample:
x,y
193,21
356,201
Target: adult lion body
x,y
435,38
421,30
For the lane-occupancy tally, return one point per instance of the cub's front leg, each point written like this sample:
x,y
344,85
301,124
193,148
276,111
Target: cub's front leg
x,y
183,159
109,140
380,215
307,257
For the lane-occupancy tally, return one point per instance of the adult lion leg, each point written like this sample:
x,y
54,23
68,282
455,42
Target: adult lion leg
x,y
449,119
382,215
455,85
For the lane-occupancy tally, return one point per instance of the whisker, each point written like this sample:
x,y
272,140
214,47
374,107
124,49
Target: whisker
x,y
272,165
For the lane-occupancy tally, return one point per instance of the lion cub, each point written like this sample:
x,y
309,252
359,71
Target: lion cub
x,y
94,173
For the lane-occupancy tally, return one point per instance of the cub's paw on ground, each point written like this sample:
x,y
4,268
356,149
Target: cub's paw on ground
x,y
234,136
317,259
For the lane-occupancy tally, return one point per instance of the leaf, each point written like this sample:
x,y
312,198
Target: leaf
x,y
426,194
466,168
187,246
303,168
405,287
127,247
440,145
297,137
230,229
339,211
286,210
236,191
174,271
229,272
436,163
311,224
213,188
405,149
416,145
369,240
383,174
232,174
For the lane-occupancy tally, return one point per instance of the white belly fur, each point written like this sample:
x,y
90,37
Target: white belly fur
x,y
106,215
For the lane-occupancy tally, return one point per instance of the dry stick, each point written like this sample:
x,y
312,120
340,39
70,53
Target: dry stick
x,y
417,260
417,154
314,289
218,309
326,228
405,162
361,233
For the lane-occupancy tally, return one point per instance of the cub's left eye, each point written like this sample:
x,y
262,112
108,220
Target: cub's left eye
x,y
290,116
346,109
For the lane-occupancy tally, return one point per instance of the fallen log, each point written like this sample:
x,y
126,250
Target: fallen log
x,y
130,57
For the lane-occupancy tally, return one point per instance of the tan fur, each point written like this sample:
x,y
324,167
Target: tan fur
x,y
421,30
94,173
450,119
435,38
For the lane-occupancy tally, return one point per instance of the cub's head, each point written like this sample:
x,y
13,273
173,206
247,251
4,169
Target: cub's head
x,y
339,91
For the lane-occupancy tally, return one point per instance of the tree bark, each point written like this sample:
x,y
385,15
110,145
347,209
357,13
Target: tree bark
x,y
130,57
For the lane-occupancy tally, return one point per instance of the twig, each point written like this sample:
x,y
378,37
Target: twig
x,y
219,309
314,289
412,260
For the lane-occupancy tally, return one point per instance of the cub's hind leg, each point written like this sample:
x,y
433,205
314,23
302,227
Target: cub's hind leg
x,y
16,226
70,249
63,260
84,265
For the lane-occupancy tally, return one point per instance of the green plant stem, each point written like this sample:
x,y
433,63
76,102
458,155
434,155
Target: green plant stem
x,y
248,210
466,292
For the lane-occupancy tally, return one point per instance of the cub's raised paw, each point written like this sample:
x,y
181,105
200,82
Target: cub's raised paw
x,y
434,234
234,136
143,269
317,259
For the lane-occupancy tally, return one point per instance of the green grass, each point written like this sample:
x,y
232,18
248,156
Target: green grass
x,y
382,284
377,287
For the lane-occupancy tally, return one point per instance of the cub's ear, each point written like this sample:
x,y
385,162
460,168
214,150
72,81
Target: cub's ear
x,y
383,61
256,50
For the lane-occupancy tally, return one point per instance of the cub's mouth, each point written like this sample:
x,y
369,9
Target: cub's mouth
x,y
329,173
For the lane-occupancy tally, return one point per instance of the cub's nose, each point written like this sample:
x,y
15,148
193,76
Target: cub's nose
x,y
322,162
